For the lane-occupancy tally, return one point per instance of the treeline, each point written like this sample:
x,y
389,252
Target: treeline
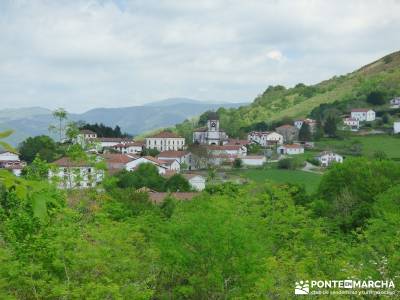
x,y
251,241
104,131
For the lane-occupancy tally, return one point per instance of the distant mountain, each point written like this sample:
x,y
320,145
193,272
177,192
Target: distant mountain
x,y
133,120
175,101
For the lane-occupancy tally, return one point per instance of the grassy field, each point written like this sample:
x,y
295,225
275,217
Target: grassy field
x,y
310,180
370,144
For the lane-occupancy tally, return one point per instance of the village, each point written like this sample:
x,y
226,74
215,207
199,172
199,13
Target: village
x,y
210,152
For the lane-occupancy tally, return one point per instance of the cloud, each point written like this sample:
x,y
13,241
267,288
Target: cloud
x,y
275,55
86,53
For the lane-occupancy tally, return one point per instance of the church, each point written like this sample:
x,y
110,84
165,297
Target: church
x,y
210,135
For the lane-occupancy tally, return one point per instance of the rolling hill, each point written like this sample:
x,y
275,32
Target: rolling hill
x,y
133,120
278,102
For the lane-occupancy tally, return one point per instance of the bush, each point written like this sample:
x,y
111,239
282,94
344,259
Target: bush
x,y
376,98
290,163
237,163
313,161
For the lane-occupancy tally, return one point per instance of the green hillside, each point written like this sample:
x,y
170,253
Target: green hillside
x,y
278,102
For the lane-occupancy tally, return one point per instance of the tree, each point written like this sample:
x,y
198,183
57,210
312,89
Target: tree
x,y
42,145
146,175
177,183
376,98
37,170
60,115
349,189
305,132
386,118
3,135
237,163
330,126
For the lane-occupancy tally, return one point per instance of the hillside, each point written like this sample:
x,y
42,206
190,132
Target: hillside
x,y
277,102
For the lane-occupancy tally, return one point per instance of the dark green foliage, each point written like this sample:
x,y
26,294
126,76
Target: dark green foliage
x,y
146,175
330,126
350,189
237,163
376,98
42,145
150,152
290,163
177,183
305,133
104,131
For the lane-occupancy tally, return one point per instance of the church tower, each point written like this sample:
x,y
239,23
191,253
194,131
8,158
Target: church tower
x,y
213,122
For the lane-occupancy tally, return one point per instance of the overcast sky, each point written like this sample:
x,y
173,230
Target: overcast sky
x,y
81,54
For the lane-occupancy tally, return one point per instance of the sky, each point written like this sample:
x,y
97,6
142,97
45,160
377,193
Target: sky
x,y
83,54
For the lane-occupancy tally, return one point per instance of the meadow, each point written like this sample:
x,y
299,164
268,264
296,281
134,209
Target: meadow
x,y
308,179
369,145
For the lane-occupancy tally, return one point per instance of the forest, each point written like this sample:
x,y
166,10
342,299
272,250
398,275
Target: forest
x,y
250,241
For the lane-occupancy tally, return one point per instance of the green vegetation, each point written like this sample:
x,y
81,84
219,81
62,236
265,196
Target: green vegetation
x,y
41,145
249,241
103,131
368,145
378,82
308,179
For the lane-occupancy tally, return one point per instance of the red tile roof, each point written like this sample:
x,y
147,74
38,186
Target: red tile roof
x,y
286,126
360,110
172,154
224,147
67,162
118,158
155,160
293,146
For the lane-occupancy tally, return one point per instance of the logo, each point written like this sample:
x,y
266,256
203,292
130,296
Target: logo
x,y
302,288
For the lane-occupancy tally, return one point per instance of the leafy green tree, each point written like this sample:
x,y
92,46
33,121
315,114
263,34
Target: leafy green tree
x,y
177,183
42,145
349,189
330,127
61,116
305,132
146,175
376,98
37,170
150,152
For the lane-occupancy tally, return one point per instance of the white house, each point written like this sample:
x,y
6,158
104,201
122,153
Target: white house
x,y
254,160
326,158
265,138
290,149
197,182
165,141
129,148
117,161
353,124
310,122
212,134
10,161
363,114
172,165
238,150
109,142
75,174
395,102
183,157
396,127
132,165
